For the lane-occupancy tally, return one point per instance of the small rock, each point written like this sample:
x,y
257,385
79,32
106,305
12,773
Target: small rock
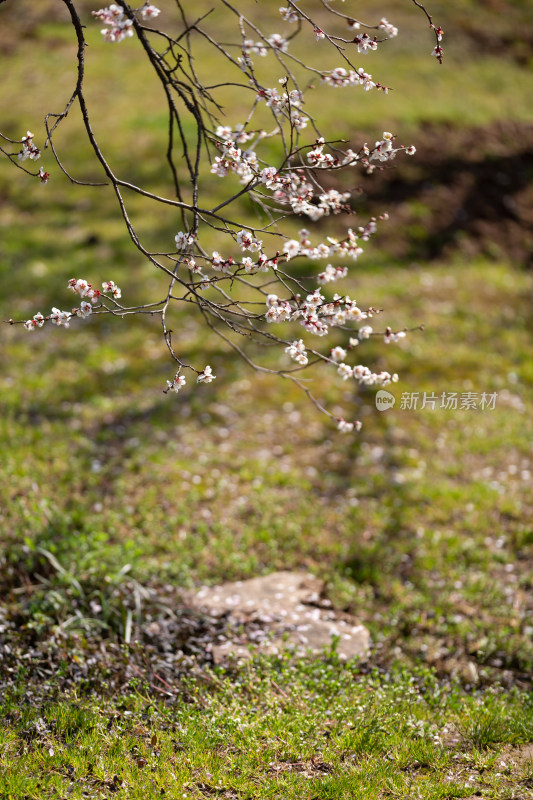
x,y
288,608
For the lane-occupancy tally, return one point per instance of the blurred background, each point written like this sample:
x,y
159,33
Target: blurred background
x,y
422,525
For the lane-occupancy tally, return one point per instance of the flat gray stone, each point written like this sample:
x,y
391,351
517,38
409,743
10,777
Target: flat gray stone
x,y
281,611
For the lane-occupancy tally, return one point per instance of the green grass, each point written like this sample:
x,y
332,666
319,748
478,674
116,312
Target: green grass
x,y
278,729
421,526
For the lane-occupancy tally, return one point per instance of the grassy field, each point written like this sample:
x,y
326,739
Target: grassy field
x,y
114,497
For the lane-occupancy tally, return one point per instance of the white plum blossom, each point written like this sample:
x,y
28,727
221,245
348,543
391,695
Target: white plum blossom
x,y
364,332
84,289
291,248
206,376
297,352
337,354
344,427
365,43
217,261
393,337
149,11
345,371
387,28
176,384
340,77
277,102
224,132
317,158
29,149
183,240
288,14
84,310
60,318
120,26
332,201
348,427
36,322
220,167
271,178
298,120
247,241
278,310
366,377
278,42
331,274
191,264
112,288
258,48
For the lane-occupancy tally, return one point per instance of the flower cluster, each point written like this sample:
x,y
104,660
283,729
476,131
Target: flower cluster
x,y
84,289
280,102
183,240
110,287
238,136
384,151
247,241
317,158
389,336
243,163
348,427
44,176
341,77
257,48
29,149
317,316
293,184
263,264
288,14
331,274
297,352
148,11
390,30
60,318
36,322
365,43
438,51
206,376
346,248
176,384
278,42
119,25
277,310
365,376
